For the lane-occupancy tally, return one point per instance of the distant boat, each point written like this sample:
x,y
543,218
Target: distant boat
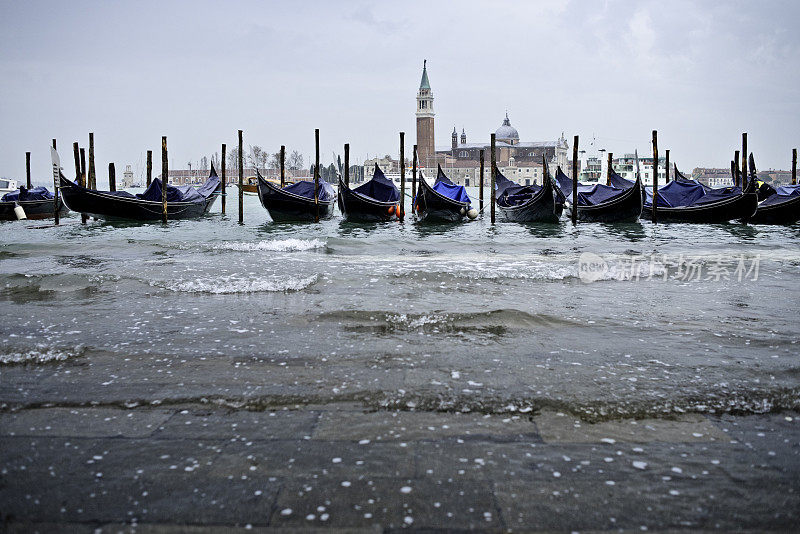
x,y
184,202
7,186
296,202
444,201
376,200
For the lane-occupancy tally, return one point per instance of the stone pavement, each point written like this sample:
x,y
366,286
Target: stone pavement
x,y
336,467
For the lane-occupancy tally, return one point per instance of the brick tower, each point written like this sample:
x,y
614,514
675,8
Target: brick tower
x,y
426,149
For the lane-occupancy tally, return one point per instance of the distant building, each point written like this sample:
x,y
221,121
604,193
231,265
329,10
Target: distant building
x,y
713,177
127,178
462,159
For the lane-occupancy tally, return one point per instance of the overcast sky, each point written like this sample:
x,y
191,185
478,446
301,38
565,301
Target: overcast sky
x,y
701,73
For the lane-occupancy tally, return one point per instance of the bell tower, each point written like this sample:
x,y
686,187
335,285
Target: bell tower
x,y
426,149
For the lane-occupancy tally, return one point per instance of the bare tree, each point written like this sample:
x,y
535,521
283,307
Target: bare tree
x,y
233,159
257,156
204,163
295,160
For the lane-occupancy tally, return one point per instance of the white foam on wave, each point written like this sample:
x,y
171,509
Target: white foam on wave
x,y
227,285
40,354
278,245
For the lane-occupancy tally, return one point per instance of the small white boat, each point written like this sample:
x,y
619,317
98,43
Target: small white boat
x,y
7,186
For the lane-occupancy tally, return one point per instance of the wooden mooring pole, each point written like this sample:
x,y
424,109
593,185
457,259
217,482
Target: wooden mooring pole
x,y
112,177
83,182
401,210
744,160
666,166
224,178
794,166
92,174
164,179
241,180
347,164
736,168
28,170
56,180
608,168
150,168
76,155
283,164
316,173
414,179
655,176
480,185
492,178
575,181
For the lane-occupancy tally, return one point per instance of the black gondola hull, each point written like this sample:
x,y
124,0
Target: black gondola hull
x,y
433,207
740,207
787,212
627,207
541,207
34,209
287,207
102,205
359,208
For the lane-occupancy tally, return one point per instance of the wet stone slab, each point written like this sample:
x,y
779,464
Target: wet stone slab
x,y
557,427
85,422
416,426
199,423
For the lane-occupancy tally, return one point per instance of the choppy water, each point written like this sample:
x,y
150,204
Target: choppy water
x,y
455,317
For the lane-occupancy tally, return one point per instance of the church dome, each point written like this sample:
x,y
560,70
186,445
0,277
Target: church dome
x,y
506,131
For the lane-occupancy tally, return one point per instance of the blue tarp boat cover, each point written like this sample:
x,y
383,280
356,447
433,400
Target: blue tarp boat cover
x,y
23,194
510,194
687,192
782,194
620,182
379,188
446,188
588,195
306,189
184,193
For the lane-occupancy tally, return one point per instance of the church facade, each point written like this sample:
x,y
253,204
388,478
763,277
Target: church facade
x,y
518,160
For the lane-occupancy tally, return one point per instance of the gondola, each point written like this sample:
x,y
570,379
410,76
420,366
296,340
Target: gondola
x,y
603,203
296,202
529,203
183,202
782,206
37,203
689,201
443,202
375,201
